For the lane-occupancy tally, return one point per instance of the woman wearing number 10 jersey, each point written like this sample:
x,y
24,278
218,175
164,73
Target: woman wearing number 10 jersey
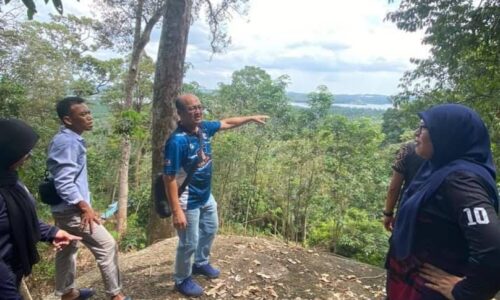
x,y
446,239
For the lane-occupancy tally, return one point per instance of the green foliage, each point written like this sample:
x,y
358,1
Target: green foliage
x,y
31,7
362,238
128,122
320,101
464,65
140,204
11,98
253,91
356,234
324,234
45,268
292,177
135,238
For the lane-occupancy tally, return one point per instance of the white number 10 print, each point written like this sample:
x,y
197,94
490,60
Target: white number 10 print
x,y
479,217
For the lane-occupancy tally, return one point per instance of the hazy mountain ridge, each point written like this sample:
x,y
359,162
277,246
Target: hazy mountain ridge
x,y
359,99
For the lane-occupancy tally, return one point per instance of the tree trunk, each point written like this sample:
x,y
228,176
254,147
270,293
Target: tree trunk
x,y
167,85
138,163
140,42
121,217
25,292
121,225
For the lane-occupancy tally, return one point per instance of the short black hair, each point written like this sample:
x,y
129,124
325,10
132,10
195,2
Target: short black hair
x,y
178,103
63,107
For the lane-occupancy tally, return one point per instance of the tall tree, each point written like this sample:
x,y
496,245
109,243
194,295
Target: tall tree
x,y
320,101
167,85
120,13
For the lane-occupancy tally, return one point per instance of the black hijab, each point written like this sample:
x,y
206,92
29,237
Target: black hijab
x,y
461,143
16,140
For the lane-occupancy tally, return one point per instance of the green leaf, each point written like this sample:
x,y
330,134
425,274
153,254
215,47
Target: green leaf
x,y
31,8
58,5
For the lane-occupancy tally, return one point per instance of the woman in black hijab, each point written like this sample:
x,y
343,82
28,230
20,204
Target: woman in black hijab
x,y
446,240
20,228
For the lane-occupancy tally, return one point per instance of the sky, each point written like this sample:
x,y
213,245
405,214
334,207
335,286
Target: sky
x,y
345,45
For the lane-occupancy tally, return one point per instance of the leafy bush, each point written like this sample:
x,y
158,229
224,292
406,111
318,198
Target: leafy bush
x,y
355,235
135,237
362,238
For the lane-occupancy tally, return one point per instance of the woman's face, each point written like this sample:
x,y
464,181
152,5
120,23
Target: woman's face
x,y
424,146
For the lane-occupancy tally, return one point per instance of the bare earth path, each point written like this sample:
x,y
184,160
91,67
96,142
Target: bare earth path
x,y
252,268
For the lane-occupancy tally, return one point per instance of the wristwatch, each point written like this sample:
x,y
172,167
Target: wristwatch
x,y
388,213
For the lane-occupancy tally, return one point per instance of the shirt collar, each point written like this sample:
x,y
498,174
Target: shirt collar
x,y
66,130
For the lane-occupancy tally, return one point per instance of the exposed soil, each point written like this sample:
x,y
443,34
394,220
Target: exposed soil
x,y
252,268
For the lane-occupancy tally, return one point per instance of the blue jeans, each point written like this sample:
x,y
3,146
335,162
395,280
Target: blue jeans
x,y
197,238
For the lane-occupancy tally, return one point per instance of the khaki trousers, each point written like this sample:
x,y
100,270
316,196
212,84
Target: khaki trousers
x,y
99,242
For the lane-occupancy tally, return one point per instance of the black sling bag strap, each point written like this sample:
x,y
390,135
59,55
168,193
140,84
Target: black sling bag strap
x,y
186,181
190,174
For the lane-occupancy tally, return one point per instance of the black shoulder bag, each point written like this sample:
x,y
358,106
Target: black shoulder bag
x,y
47,189
162,206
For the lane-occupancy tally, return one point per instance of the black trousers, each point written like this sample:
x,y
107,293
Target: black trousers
x,y
9,282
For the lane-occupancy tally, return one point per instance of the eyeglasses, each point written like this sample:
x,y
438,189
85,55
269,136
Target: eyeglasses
x,y
194,108
420,128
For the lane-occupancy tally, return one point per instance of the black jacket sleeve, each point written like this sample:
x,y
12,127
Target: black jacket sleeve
x,y
47,231
471,207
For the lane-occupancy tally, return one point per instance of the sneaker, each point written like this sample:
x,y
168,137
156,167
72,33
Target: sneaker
x,y
85,293
189,288
206,270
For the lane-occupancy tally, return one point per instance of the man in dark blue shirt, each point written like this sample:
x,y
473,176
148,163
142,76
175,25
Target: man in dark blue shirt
x,y
188,151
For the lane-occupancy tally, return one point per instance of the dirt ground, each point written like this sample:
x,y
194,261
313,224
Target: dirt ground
x,y
252,268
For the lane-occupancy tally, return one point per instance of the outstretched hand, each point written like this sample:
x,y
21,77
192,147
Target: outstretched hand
x,y
439,280
260,119
63,239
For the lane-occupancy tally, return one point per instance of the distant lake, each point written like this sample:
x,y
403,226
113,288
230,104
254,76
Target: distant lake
x,y
347,105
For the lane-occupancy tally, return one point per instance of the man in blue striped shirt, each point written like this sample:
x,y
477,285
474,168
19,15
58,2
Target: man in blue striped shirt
x,y
67,163
194,210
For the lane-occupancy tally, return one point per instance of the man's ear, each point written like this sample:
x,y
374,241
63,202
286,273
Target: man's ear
x,y
67,121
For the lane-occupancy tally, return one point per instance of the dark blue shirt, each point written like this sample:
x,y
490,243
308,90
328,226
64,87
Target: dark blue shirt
x,y
7,251
185,151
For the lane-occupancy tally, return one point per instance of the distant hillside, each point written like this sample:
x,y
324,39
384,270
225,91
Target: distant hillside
x,y
358,99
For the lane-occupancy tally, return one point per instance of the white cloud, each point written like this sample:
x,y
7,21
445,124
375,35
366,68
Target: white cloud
x,y
345,45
